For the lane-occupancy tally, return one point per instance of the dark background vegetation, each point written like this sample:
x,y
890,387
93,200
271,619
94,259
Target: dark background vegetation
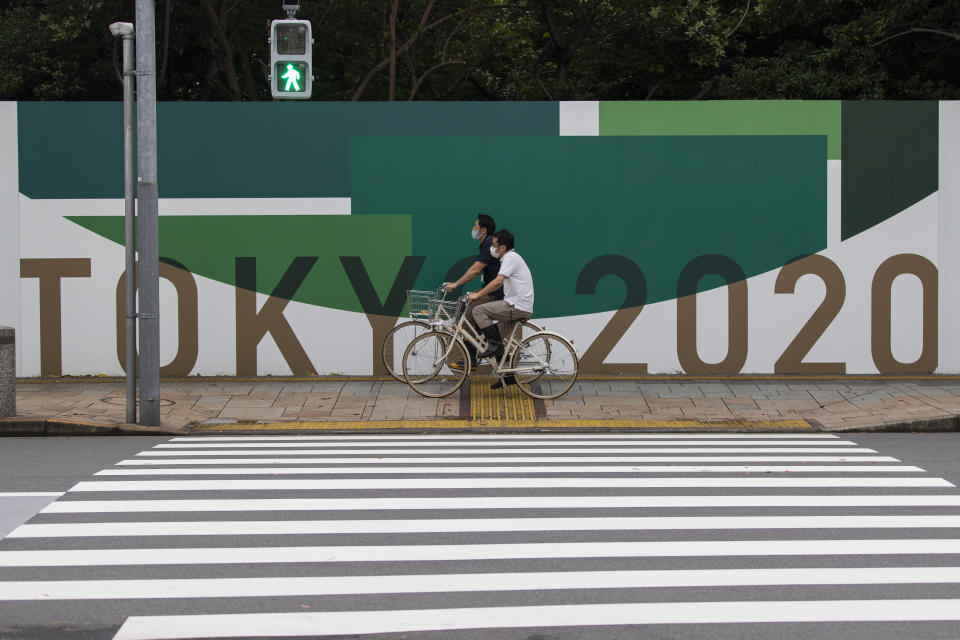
x,y
503,49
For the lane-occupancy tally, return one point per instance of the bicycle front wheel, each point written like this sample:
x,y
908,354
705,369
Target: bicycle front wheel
x,y
396,343
546,366
426,364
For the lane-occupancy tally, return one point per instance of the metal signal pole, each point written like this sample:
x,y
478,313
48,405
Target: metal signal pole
x,y
147,214
124,31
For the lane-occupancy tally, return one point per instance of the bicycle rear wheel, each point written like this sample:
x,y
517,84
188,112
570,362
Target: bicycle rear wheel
x,y
426,364
396,343
527,328
547,366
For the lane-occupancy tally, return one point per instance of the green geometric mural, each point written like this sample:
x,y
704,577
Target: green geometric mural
x,y
663,184
658,200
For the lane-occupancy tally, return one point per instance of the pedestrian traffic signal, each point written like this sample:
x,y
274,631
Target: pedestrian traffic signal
x,y
291,77
291,59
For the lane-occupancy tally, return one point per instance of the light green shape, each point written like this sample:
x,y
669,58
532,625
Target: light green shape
x,y
725,117
209,246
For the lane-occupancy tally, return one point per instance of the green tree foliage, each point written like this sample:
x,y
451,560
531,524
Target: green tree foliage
x,y
502,49
56,50
851,49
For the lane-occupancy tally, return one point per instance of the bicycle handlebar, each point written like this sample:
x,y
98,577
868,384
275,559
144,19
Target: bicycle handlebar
x,y
442,290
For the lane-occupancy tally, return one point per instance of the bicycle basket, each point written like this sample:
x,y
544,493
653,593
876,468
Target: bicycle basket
x,y
446,311
418,304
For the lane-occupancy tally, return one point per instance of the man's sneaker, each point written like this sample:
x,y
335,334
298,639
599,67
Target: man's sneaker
x,y
459,365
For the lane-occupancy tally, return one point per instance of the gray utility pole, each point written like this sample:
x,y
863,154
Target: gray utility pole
x,y
124,30
147,212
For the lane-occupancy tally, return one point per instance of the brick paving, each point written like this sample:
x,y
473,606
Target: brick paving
x,y
831,403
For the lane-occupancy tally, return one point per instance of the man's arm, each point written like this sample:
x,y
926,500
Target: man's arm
x,y
475,269
494,284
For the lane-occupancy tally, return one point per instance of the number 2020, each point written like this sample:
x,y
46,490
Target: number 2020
x,y
791,361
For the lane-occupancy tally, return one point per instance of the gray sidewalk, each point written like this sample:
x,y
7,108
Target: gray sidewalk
x,y
227,403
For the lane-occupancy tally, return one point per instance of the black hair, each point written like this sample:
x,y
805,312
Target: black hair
x,y
486,222
504,239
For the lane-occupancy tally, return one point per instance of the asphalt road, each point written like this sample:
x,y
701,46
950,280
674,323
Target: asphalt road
x,y
36,471
464,537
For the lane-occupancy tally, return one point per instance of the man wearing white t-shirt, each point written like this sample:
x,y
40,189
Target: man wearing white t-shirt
x,y
517,303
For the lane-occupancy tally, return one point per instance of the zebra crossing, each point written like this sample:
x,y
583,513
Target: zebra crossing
x,y
595,535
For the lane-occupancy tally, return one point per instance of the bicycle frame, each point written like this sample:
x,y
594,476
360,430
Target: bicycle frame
x,y
465,332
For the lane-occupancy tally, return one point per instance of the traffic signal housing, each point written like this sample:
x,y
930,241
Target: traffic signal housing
x,y
291,59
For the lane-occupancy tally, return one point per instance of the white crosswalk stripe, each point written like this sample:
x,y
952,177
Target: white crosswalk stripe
x,y
489,437
140,462
585,468
203,537
368,622
464,525
435,552
501,445
503,502
660,447
500,483
353,585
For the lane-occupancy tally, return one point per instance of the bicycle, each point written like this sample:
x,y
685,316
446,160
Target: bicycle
x,y
419,305
544,364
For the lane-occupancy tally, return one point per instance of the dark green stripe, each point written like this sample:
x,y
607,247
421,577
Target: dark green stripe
x,y
890,160
242,150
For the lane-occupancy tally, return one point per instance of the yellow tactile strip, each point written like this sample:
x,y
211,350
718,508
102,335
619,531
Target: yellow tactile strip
x,y
508,404
507,424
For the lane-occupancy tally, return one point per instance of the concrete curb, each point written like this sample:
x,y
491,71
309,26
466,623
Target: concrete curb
x,y
926,425
573,429
19,426
899,427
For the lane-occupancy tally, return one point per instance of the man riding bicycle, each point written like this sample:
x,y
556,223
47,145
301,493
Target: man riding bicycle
x,y
517,305
486,265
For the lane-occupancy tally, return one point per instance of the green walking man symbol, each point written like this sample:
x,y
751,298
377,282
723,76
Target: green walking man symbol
x,y
292,76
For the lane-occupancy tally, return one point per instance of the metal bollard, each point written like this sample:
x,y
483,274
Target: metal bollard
x,y
8,372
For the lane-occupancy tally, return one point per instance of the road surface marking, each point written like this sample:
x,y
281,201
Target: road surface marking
x,y
499,502
618,451
342,623
496,483
464,582
346,447
31,494
439,553
457,460
666,469
460,525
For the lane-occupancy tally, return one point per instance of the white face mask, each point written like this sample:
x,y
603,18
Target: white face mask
x,y
493,251
476,234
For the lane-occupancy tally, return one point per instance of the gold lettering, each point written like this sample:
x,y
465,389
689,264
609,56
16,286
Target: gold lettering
x,y
49,271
